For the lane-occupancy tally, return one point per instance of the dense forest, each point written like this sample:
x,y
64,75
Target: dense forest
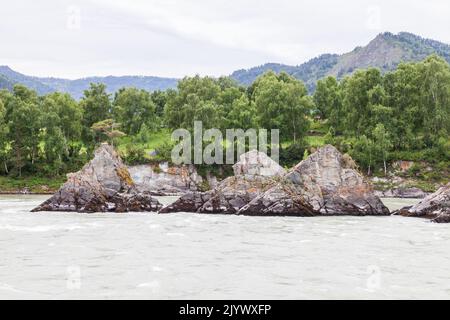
x,y
376,118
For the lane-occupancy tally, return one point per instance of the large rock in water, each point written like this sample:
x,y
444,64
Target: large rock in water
x,y
104,184
326,183
254,173
165,180
436,206
255,163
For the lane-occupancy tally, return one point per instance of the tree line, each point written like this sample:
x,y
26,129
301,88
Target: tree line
x,y
372,116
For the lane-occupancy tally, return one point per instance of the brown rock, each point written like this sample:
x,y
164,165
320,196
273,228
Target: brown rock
x,y
104,184
326,183
254,174
436,206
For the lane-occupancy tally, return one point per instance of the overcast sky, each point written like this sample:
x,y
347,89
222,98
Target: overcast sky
x,y
174,38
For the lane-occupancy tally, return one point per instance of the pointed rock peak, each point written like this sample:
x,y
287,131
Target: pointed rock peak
x,y
329,170
108,169
327,155
103,184
322,184
253,174
257,163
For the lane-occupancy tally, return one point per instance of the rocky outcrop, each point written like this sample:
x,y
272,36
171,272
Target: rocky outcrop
x,y
254,173
436,206
402,192
326,183
255,163
164,180
104,184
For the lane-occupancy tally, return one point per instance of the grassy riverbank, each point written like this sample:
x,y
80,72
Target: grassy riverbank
x,y
36,185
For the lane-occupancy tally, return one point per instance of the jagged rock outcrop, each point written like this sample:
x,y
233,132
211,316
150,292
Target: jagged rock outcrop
x,y
326,183
254,173
103,184
436,206
402,192
255,163
165,180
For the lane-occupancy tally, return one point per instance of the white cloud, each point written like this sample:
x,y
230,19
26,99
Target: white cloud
x,y
76,38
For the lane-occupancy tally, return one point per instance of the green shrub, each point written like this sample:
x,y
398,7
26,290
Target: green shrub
x,y
415,169
157,169
134,155
164,152
293,154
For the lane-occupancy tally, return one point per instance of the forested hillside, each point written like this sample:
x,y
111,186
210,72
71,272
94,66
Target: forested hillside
x,y
376,118
14,77
5,83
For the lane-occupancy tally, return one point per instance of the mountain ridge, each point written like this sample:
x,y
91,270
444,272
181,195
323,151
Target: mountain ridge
x,y
44,85
385,52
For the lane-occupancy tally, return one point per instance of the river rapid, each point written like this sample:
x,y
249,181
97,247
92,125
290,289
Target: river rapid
x,y
188,256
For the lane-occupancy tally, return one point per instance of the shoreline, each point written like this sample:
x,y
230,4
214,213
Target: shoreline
x,y
26,193
18,193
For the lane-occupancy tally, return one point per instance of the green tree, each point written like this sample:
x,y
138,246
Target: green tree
x,y
242,114
363,152
132,108
69,112
435,98
383,143
282,103
24,127
328,100
358,92
108,129
196,98
96,105
159,99
4,141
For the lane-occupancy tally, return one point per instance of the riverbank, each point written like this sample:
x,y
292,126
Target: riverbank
x,y
30,185
384,188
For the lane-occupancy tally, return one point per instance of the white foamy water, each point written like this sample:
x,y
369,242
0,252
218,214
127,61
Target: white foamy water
x,y
188,256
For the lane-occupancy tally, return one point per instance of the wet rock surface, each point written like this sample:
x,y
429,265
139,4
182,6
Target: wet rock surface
x,y
254,173
403,192
104,184
326,183
165,180
436,206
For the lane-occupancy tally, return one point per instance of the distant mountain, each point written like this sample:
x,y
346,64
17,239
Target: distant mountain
x,y
14,77
9,77
5,83
386,51
113,84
